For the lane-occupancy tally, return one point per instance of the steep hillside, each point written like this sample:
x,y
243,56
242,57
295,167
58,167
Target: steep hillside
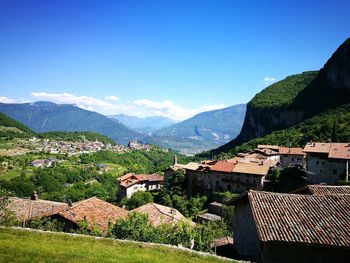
x,y
9,126
203,131
47,116
296,99
145,125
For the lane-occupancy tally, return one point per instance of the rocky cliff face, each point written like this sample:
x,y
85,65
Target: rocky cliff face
x,y
329,89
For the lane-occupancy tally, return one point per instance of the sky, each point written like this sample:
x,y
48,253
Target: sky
x,y
167,58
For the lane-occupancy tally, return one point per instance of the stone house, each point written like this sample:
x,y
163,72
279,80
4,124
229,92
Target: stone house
x,y
131,183
275,227
222,175
327,162
291,157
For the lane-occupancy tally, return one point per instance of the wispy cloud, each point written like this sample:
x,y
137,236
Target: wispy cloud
x,y
112,98
85,102
169,109
269,80
6,100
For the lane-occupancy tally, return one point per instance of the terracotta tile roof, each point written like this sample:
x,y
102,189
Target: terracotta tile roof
x,y
252,168
328,189
160,214
266,146
292,151
339,151
222,241
26,209
317,147
96,211
222,166
309,219
131,179
334,150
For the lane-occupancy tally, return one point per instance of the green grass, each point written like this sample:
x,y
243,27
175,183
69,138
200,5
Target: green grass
x,y
24,246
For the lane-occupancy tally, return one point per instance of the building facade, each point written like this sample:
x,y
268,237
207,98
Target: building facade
x,y
327,162
131,183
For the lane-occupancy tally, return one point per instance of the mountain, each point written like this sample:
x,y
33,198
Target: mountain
x,y
294,104
9,126
145,125
203,131
48,116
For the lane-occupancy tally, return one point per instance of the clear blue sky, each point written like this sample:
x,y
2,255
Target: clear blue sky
x,y
173,58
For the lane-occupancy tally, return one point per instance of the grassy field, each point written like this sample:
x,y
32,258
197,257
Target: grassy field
x,y
24,246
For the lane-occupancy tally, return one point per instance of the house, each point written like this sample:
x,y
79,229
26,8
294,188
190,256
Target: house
x,y
222,175
213,214
275,227
160,214
27,209
131,183
37,163
291,157
96,212
327,162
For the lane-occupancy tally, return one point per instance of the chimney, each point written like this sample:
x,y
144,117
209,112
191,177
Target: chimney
x,y
175,160
34,196
70,203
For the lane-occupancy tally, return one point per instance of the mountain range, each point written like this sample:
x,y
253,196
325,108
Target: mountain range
x,y
47,116
202,132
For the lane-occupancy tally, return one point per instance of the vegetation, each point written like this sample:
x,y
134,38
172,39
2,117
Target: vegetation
x,y
18,130
137,161
282,93
76,136
19,246
136,227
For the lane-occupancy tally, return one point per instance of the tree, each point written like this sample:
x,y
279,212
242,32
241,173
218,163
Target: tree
x,y
137,199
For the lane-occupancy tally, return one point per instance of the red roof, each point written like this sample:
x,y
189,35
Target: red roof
x,y
223,166
95,211
334,150
291,151
131,179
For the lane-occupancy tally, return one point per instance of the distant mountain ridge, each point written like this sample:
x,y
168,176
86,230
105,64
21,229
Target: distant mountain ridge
x,y
144,125
47,116
203,131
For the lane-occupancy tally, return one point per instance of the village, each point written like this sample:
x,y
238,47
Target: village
x,y
269,226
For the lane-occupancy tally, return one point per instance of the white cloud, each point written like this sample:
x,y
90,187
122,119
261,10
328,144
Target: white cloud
x,y
112,98
85,102
269,80
169,109
6,100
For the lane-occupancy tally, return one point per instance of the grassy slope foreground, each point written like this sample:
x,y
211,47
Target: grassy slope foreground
x,y
24,246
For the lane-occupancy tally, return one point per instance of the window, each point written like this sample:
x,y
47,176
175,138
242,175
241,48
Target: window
x,y
320,171
322,163
317,162
334,171
228,187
